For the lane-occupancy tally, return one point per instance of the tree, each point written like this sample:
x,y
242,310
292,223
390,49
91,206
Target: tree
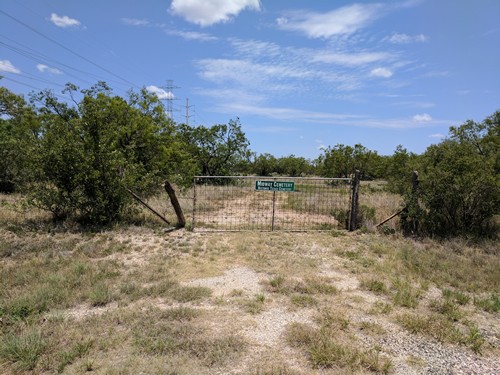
x,y
264,165
19,129
218,150
293,166
342,161
460,187
399,170
93,151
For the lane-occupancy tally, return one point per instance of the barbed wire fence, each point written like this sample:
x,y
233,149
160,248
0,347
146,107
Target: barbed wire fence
x,y
236,203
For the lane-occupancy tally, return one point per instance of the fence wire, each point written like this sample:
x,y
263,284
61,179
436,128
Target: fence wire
x,y
234,203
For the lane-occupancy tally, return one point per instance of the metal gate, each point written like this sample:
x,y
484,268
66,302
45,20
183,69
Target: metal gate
x,y
270,203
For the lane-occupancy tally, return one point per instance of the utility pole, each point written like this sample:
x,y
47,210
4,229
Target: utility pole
x,y
187,111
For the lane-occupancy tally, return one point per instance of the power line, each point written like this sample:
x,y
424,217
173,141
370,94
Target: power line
x,y
41,58
66,48
33,87
95,40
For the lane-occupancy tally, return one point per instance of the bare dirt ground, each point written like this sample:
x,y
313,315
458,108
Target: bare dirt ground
x,y
239,269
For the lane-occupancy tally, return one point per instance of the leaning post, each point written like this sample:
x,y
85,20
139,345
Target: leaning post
x,y
181,221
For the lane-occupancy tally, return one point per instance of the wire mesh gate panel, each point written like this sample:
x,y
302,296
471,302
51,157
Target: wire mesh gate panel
x,y
267,203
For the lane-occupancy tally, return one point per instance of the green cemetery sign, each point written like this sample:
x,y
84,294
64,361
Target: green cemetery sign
x,y
274,185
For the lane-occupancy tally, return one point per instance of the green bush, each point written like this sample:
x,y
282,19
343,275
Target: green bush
x,y
459,191
91,153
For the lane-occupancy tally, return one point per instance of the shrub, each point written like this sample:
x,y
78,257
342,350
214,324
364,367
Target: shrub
x,y
459,192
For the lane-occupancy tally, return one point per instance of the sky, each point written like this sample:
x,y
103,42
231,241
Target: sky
x,y
300,75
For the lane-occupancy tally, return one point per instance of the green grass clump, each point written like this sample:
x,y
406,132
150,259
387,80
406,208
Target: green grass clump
x,y
176,332
325,350
181,314
434,325
406,294
303,300
22,350
447,308
374,286
190,293
77,350
256,304
456,296
100,295
489,304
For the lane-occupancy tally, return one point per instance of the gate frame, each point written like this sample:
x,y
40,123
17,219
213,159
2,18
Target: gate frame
x,y
354,182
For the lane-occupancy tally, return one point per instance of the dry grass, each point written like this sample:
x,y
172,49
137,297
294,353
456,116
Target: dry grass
x,y
136,299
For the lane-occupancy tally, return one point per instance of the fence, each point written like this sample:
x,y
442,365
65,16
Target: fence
x,y
266,203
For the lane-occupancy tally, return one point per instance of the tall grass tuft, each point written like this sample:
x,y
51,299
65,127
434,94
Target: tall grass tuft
x,y
22,350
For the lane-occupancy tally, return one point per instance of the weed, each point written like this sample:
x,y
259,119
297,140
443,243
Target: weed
x,y
190,293
371,327
88,365
435,326
318,285
216,351
273,370
181,314
334,320
162,288
406,294
299,335
78,350
326,352
100,295
474,339
375,286
277,282
489,304
381,308
303,300
22,350
236,293
255,305
448,308
456,296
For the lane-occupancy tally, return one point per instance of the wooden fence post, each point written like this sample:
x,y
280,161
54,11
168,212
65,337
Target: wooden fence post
x,y
354,202
181,221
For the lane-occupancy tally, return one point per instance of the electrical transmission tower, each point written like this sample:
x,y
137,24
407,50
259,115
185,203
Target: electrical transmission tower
x,y
187,111
169,88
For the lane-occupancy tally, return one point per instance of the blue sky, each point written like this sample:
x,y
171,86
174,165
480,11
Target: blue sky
x,y
300,75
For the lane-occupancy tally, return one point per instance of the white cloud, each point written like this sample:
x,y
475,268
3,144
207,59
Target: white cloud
x,y
350,59
284,113
160,93
327,118
192,35
8,67
406,39
341,21
209,12
437,135
272,76
45,68
63,21
381,72
424,117
135,22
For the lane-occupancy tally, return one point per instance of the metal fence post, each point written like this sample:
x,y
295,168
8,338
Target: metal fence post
x,y
194,202
354,202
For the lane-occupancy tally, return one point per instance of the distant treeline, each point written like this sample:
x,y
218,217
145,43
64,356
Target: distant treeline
x,y
79,157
